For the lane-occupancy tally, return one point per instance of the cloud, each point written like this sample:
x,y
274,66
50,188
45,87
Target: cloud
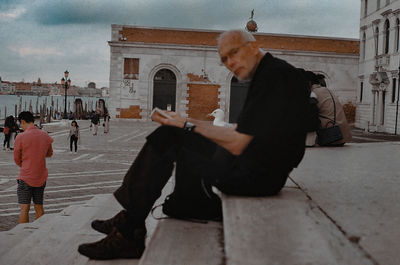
x,y
9,4
304,17
12,13
42,38
32,51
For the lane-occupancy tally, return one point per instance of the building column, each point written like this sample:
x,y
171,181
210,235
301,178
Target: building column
x,y
373,112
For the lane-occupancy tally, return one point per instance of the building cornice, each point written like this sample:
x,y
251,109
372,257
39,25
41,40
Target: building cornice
x,y
386,13
209,39
202,48
376,21
397,11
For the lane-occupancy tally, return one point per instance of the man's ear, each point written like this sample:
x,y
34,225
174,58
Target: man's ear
x,y
254,46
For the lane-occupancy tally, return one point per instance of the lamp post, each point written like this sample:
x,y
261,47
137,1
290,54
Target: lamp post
x,y
66,82
397,102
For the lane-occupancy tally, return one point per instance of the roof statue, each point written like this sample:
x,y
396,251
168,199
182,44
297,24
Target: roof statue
x,y
251,26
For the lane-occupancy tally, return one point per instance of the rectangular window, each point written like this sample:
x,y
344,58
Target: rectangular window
x,y
366,8
361,90
131,68
394,85
378,4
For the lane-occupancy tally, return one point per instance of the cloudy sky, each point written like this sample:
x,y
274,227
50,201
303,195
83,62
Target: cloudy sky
x,y
43,38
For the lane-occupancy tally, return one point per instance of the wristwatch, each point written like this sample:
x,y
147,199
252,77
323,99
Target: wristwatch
x,y
188,126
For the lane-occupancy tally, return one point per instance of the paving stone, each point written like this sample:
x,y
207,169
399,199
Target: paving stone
x,y
183,242
283,229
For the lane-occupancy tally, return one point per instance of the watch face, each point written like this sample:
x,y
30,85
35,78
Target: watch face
x,y
188,126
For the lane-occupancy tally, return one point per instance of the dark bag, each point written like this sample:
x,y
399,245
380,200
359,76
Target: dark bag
x,y
192,198
95,119
329,135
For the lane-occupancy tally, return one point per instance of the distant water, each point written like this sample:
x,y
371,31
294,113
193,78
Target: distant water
x,y
8,103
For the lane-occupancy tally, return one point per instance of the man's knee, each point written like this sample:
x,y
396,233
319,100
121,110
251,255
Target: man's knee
x,y
164,137
166,131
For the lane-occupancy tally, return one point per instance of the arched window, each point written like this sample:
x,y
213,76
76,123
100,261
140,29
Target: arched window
x,y
363,47
376,40
394,85
397,35
387,36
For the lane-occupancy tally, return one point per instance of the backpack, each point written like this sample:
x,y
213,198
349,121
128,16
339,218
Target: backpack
x,y
192,199
95,119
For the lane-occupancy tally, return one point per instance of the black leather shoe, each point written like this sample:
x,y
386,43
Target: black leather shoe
x,y
115,246
106,226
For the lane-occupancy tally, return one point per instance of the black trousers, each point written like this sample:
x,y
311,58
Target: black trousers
x,y
7,140
195,157
73,140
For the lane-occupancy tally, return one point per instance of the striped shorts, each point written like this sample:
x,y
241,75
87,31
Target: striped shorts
x,y
26,193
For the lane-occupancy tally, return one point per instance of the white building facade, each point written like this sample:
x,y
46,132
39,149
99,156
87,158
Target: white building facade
x,y
378,86
144,61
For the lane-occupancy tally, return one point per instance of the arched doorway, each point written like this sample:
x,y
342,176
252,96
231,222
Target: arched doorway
x,y
164,90
238,96
78,110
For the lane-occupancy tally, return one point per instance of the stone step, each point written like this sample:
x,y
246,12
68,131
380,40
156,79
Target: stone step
x,y
56,241
15,235
284,229
182,242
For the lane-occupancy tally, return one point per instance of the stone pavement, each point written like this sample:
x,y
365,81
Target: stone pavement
x,y
74,178
356,187
362,136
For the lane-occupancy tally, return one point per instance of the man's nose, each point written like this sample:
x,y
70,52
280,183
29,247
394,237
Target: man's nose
x,y
230,62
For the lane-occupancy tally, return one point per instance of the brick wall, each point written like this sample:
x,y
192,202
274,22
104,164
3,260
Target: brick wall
x,y
133,112
203,99
350,112
267,41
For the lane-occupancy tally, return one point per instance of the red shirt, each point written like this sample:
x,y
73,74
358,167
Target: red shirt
x,y
30,151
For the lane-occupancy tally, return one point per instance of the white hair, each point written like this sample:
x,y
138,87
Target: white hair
x,y
236,33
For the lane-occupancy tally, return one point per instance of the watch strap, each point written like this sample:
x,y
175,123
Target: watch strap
x,y
188,126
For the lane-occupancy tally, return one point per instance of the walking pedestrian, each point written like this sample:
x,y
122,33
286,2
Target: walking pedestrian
x,y
6,142
14,130
106,122
95,121
8,127
31,149
74,136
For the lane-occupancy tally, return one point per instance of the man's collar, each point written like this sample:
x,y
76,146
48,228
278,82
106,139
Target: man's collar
x,y
30,127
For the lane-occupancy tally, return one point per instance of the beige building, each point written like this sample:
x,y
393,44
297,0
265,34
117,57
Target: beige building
x,y
180,69
377,93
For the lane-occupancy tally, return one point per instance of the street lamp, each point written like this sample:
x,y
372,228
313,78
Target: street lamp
x,y
66,82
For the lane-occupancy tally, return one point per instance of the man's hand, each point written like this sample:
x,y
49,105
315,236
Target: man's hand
x,y
175,120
